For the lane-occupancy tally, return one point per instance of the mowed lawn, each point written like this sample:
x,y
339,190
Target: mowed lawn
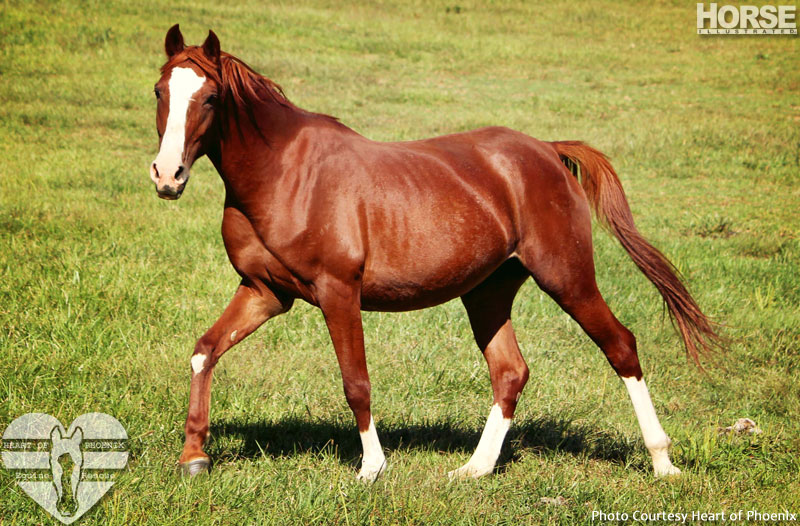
x,y
104,288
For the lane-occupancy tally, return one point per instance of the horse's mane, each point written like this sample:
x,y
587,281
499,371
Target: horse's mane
x,y
240,84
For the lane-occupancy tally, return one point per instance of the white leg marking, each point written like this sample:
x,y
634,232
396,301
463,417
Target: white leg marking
x,y
197,362
655,438
373,461
485,457
233,335
183,84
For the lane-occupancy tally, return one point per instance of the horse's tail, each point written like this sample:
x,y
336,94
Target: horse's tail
x,y
606,196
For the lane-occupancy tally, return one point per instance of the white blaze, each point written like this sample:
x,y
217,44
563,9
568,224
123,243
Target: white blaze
x,y
183,84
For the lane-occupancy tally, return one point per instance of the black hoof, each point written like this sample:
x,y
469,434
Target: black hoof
x,y
196,467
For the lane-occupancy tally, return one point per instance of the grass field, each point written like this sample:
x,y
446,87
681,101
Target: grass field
x,y
104,288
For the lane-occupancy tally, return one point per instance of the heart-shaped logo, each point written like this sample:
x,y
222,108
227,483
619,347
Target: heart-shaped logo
x,y
66,471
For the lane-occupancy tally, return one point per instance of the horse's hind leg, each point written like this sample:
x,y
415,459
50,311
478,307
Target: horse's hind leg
x,y
568,277
489,309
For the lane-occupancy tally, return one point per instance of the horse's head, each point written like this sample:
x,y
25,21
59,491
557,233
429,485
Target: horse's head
x,y
66,452
187,100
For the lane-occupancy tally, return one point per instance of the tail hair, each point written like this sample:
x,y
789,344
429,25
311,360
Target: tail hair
x,y
606,196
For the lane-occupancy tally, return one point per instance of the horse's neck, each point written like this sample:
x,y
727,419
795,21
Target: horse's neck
x,y
245,149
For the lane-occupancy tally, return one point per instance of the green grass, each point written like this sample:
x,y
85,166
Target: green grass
x,y
104,288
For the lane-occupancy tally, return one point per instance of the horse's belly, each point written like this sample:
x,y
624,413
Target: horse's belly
x,y
427,280
403,296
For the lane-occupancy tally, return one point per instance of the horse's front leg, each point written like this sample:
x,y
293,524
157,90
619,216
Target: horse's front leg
x,y
341,306
252,305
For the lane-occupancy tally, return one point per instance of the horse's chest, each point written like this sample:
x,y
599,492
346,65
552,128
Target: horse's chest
x,y
247,252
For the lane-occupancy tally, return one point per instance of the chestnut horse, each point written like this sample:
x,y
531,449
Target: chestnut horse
x,y
315,211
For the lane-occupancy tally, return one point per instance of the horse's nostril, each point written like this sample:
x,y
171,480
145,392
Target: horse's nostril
x,y
155,171
178,173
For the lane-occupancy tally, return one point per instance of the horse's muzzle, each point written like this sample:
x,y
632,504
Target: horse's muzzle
x,y
169,187
170,193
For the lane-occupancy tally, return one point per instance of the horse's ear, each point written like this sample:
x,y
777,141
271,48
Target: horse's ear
x,y
55,434
173,44
77,435
211,46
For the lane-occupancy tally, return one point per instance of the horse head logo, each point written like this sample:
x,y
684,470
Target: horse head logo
x,y
66,462
65,469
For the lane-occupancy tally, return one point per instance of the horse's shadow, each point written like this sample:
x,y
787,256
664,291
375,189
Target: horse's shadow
x,y
292,435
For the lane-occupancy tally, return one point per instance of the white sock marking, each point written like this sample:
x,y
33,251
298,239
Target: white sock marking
x,y
486,454
197,362
373,461
655,438
183,84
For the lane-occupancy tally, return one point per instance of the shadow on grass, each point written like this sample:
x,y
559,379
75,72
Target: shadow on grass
x,y
289,436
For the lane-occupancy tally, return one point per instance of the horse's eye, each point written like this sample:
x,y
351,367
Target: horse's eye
x,y
157,92
211,100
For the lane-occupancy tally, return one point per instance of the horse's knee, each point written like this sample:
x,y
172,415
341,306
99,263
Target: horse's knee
x,y
203,355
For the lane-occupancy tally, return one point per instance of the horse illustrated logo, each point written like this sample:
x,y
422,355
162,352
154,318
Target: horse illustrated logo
x,y
66,461
65,470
